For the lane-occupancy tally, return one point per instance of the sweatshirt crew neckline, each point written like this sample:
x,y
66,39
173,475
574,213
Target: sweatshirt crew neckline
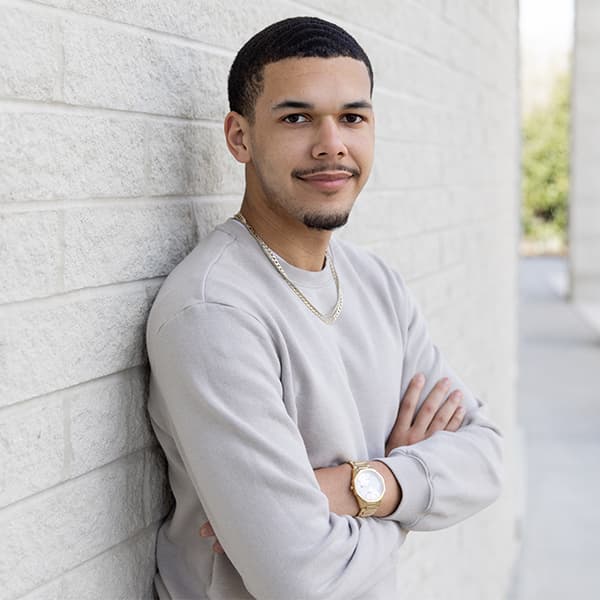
x,y
312,279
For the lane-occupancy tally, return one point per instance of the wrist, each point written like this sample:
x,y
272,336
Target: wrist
x,y
335,484
393,492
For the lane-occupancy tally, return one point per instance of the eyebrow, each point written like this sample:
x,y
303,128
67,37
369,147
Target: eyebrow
x,y
308,106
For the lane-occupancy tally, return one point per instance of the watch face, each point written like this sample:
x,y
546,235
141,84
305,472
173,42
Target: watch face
x,y
369,485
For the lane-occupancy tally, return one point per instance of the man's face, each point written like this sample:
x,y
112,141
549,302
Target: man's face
x,y
311,142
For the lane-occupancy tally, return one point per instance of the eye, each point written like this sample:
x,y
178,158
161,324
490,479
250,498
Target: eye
x,y
295,118
353,119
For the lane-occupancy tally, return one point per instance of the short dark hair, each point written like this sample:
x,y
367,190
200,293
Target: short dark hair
x,y
297,37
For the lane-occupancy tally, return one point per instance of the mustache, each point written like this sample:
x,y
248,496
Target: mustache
x,y
324,168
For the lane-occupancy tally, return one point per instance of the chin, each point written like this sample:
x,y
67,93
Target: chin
x,y
326,222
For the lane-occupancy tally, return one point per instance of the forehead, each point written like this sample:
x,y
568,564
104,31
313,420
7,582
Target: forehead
x,y
341,79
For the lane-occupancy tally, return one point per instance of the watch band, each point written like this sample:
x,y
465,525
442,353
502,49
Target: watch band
x,y
366,508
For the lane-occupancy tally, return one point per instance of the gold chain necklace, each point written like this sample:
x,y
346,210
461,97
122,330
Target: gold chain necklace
x,y
337,309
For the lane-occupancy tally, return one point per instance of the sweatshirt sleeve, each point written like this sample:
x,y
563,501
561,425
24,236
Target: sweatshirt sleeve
x,y
218,370
450,475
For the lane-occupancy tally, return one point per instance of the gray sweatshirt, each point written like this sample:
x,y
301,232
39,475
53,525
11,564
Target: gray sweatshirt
x,y
250,392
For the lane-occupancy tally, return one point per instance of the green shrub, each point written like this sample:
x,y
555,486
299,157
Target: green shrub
x,y
545,180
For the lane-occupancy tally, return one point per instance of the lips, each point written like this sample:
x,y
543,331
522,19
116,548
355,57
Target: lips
x,y
327,180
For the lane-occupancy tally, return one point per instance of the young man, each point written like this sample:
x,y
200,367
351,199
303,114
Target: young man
x,y
303,409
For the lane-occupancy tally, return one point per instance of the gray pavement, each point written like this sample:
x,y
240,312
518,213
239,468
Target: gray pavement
x,y
559,411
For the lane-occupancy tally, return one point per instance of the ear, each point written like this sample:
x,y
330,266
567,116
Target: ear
x,y
236,135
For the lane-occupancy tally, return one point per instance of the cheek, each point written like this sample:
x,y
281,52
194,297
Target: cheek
x,y
286,147
275,162
361,141
283,154
364,150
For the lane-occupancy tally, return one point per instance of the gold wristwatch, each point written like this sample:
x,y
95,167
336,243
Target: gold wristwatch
x,y
368,487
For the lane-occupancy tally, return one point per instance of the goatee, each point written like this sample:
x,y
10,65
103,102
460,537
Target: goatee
x,y
326,222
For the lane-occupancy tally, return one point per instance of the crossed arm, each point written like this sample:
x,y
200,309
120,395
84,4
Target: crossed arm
x,y
441,479
438,412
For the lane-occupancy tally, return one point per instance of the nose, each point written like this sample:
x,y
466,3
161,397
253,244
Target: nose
x,y
329,141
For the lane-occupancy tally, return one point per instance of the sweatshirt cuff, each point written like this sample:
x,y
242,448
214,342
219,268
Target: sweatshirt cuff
x,y
417,490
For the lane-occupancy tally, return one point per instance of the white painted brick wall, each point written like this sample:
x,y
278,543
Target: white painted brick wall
x,y
113,164
584,210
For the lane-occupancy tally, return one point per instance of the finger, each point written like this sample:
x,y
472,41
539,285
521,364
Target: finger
x,y
457,419
218,548
206,530
445,413
399,434
431,405
409,403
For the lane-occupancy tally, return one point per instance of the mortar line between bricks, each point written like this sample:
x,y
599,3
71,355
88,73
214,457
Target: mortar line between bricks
x,y
401,95
138,30
14,505
25,105
446,270
71,388
389,191
377,34
66,204
408,142
442,17
462,226
138,534
439,186
451,227
448,22
417,51
86,293
384,242
451,187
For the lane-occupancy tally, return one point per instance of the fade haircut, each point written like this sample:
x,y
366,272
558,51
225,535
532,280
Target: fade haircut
x,y
297,37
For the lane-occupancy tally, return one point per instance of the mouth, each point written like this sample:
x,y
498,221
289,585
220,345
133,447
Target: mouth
x,y
328,181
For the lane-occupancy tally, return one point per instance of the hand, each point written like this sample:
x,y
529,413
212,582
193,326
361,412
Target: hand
x,y
207,531
436,414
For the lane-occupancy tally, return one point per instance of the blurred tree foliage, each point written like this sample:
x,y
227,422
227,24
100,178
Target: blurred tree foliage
x,y
545,166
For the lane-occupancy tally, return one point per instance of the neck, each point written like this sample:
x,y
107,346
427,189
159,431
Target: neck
x,y
296,243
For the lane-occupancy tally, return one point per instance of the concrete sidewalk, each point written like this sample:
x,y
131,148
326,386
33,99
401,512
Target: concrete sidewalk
x,y
559,411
